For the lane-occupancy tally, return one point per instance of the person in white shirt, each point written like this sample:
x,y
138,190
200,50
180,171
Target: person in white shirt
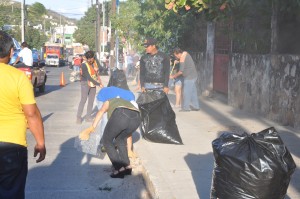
x,y
25,54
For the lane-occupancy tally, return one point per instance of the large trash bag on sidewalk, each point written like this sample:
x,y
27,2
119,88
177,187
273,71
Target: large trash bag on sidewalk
x,y
256,166
158,118
118,79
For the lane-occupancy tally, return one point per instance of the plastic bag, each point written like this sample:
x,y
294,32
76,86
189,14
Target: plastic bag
x,y
118,79
256,166
158,118
91,146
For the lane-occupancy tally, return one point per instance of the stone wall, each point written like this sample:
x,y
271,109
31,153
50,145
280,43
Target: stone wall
x,y
267,85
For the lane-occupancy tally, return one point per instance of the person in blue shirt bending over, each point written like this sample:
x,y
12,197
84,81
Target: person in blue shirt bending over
x,y
111,92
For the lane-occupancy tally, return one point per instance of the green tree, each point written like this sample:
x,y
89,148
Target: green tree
x,y
86,32
35,38
35,12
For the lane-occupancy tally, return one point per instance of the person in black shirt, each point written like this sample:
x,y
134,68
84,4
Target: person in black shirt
x,y
154,68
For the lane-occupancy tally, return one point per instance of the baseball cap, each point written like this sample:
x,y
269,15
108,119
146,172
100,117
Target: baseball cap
x,y
149,42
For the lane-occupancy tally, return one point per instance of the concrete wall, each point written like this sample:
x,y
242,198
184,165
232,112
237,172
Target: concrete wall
x,y
267,85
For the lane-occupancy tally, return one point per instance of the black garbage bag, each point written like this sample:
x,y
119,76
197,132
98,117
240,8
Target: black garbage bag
x,y
118,79
256,166
158,118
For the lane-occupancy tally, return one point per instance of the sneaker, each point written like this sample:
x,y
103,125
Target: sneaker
x,y
78,121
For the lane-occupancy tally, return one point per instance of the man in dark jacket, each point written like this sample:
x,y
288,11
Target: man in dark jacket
x,y
154,68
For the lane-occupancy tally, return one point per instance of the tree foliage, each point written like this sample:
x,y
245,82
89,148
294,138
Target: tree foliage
x,y
36,11
86,32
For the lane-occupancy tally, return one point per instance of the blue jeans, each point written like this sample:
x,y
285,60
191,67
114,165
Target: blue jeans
x,y
13,170
76,68
190,94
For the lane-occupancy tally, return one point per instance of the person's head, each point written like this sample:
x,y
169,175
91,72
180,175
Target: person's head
x,y
150,45
24,44
6,47
90,57
177,52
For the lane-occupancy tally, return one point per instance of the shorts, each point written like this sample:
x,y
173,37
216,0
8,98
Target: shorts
x,y
178,81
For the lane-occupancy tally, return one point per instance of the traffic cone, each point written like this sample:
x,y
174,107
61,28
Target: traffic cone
x,y
62,79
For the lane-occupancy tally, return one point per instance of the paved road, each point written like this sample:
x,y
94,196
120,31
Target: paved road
x,y
67,173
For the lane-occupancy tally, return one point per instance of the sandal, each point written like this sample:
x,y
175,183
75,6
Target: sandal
x,y
118,174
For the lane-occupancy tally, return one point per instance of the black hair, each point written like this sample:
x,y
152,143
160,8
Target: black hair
x,y
89,54
177,50
6,44
24,44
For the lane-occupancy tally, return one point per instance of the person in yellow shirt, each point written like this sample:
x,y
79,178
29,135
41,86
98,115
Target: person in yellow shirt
x,y
18,110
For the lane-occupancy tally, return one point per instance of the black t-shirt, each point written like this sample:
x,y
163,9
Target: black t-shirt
x,y
155,69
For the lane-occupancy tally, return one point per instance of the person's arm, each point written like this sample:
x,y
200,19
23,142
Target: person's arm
x,y
166,65
142,74
17,60
86,74
100,113
85,134
36,127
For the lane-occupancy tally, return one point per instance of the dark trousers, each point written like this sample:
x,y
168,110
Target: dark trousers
x,y
122,123
86,93
13,170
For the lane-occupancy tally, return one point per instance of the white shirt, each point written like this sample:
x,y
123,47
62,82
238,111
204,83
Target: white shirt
x,y
26,55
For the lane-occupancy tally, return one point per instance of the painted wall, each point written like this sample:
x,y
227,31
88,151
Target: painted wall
x,y
267,85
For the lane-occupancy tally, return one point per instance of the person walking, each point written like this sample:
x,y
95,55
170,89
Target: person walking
x,y
123,120
188,71
89,81
25,54
154,68
18,110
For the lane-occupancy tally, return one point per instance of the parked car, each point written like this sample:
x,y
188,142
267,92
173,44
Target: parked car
x,y
36,73
52,60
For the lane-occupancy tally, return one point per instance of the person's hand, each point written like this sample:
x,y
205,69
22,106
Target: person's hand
x,y
41,149
143,89
171,77
176,62
166,90
101,86
85,134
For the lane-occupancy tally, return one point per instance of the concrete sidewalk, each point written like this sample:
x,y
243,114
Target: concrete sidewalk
x,y
185,171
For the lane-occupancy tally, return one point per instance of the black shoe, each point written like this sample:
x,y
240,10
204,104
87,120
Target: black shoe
x,y
127,171
183,110
119,174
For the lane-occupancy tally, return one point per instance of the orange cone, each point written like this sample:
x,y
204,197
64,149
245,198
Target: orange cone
x,y
62,79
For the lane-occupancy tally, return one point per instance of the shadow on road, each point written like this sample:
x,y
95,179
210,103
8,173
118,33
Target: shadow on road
x,y
73,174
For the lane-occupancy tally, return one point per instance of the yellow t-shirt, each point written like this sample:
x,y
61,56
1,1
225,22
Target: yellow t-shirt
x,y
15,90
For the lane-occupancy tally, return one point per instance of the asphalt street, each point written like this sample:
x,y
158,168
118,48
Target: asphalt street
x,y
67,173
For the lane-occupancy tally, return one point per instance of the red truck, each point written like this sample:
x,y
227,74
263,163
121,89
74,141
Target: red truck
x,y
55,49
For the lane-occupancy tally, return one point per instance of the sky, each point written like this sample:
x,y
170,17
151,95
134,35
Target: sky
x,y
69,8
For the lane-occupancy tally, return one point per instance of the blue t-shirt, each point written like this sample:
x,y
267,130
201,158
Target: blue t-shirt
x,y
108,93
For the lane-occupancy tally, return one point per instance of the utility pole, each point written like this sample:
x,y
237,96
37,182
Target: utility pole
x,y
103,25
112,40
23,20
97,27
